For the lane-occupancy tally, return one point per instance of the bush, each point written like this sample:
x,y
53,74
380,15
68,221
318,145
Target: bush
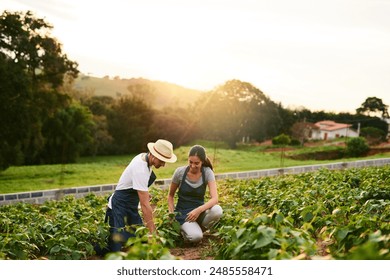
x,y
281,139
357,147
295,142
373,135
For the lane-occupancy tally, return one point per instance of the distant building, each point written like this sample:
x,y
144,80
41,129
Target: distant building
x,y
326,130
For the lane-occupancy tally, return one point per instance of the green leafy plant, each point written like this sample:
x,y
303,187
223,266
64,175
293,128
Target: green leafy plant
x,y
326,214
357,147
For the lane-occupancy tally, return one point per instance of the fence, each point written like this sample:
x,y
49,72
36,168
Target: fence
x,y
39,197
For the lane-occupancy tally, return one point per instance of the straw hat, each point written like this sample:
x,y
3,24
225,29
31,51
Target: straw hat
x,y
163,150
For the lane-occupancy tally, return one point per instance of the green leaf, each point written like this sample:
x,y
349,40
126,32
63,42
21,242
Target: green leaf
x,y
238,248
240,231
55,249
341,233
263,241
307,216
266,236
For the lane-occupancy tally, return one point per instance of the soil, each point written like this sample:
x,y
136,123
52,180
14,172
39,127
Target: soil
x,y
199,251
187,251
324,155
375,151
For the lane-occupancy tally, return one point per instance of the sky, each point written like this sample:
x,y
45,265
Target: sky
x,y
326,55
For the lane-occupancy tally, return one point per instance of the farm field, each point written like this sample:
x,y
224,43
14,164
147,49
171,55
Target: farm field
x,y
107,169
320,215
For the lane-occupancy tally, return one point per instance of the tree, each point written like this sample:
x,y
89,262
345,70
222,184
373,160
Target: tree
x,y
373,104
373,135
174,124
99,105
15,95
28,42
102,143
301,131
33,68
101,108
68,133
235,110
129,124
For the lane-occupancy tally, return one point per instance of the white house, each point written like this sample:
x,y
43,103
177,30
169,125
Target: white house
x,y
325,130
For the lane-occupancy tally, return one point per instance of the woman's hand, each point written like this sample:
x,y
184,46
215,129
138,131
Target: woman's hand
x,y
193,215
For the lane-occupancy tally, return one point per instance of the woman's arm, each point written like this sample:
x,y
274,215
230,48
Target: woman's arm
x,y
171,197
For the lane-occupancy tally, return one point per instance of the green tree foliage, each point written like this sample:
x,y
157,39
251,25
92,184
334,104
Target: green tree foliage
x,y
373,104
102,139
33,68
175,124
373,135
235,110
101,107
357,147
281,139
27,41
129,124
288,118
67,134
15,96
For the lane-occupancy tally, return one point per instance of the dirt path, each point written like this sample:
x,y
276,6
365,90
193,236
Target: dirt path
x,y
200,251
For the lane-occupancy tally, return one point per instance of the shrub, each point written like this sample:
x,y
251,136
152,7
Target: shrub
x,y
295,142
281,139
373,135
357,147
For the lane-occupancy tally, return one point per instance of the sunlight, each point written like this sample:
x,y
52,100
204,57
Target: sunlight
x,y
305,51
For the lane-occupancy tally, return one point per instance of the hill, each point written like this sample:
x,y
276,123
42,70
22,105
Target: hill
x,y
165,94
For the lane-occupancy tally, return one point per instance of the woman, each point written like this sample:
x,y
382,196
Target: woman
x,y
191,182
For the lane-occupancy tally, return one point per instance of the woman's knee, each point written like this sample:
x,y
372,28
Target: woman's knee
x,y
216,211
194,237
213,215
191,232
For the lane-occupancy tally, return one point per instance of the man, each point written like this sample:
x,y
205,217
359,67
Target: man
x,y
131,191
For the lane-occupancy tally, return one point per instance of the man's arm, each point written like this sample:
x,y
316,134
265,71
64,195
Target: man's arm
x,y
147,210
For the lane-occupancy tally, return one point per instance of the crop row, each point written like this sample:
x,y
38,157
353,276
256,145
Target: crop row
x,y
325,214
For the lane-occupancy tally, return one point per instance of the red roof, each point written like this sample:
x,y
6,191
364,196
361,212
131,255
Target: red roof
x,y
331,125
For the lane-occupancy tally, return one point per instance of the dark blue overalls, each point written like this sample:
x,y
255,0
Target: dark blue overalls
x,y
124,212
190,198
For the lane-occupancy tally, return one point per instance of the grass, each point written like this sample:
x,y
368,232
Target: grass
x,y
107,169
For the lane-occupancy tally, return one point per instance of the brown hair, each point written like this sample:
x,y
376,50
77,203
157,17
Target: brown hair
x,y
200,152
